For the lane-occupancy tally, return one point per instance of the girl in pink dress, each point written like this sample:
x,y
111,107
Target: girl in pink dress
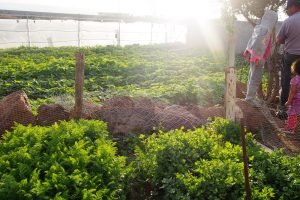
x,y
293,102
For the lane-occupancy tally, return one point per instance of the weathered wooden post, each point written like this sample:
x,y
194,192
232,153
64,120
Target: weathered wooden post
x,y
79,81
230,78
230,93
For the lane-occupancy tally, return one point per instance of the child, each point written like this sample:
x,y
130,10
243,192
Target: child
x,y
293,102
257,50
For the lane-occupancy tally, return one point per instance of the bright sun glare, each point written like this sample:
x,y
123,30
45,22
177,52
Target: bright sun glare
x,y
201,10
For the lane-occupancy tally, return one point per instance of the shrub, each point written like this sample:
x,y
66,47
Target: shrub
x,y
72,160
200,164
230,131
279,172
168,161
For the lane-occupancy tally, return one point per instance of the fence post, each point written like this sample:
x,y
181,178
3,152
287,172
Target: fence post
x,y
78,33
230,93
245,159
230,78
28,33
151,33
79,81
119,35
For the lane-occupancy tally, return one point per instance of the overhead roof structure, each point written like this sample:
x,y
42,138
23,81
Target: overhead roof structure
x,y
101,17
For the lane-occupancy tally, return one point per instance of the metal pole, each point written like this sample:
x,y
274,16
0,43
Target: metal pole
x,y
119,35
245,158
28,33
78,33
79,82
151,33
166,34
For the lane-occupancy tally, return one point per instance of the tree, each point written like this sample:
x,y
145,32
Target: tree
x,y
252,11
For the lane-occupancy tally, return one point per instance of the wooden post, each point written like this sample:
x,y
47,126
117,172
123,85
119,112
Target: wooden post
x,y
246,164
28,33
230,78
79,81
230,93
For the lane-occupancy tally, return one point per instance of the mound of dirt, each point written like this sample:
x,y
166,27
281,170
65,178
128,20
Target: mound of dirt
x,y
15,108
48,114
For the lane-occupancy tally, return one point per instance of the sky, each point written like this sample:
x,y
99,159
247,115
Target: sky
x,y
199,9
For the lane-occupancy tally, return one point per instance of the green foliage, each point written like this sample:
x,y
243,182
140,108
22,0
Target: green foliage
x,y
170,161
242,68
72,160
230,131
277,172
199,164
182,77
77,160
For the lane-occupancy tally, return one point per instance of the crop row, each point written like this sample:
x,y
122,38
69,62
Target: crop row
x,y
79,160
168,72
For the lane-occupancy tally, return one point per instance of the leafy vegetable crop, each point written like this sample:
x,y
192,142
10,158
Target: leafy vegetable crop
x,y
171,73
200,164
72,160
78,160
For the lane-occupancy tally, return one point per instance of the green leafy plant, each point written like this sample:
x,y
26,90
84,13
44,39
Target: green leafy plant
x,y
72,160
203,164
181,77
230,131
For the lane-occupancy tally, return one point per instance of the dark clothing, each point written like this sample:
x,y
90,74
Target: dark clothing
x,y
289,35
288,60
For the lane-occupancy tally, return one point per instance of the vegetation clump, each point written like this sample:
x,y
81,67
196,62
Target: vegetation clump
x,y
79,160
72,160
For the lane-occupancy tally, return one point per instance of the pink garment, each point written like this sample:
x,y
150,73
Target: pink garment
x,y
294,108
254,56
292,123
268,49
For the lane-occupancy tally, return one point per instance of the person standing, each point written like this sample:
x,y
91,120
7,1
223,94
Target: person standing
x,y
257,51
289,35
293,102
